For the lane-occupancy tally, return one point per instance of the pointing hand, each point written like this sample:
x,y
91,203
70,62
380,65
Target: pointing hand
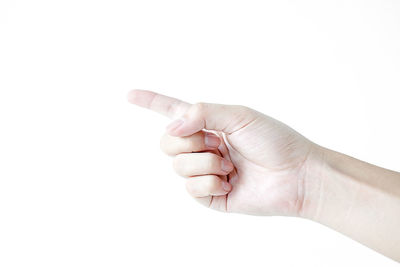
x,y
235,159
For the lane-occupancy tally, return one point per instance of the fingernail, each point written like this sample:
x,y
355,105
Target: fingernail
x,y
226,186
211,140
226,165
175,125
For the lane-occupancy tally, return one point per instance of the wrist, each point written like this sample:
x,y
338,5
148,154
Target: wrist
x,y
315,168
353,197
331,182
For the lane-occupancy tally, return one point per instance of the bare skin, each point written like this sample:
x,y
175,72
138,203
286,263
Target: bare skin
x,y
236,159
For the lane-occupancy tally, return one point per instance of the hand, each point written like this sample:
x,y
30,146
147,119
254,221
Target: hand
x,y
239,160
264,161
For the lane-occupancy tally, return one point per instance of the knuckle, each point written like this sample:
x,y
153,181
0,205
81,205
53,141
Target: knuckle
x,y
199,107
190,189
243,109
177,165
189,186
164,144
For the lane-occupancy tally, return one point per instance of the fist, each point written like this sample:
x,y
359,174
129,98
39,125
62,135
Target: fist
x,y
197,158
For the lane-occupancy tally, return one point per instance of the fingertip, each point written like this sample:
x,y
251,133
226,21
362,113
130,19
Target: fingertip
x,y
226,165
140,97
131,95
211,140
226,186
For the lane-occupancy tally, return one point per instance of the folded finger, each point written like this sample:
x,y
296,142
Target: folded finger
x,y
195,164
207,185
200,141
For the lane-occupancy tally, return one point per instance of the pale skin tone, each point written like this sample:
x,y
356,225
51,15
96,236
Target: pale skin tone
x,y
236,159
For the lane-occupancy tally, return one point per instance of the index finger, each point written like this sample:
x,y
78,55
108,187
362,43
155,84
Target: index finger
x,y
165,105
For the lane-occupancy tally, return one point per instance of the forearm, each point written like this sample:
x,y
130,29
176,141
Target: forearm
x,y
355,198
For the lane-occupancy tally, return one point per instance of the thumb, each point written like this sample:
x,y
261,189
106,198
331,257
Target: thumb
x,y
224,118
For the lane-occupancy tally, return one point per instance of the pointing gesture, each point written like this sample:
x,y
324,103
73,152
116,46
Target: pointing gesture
x,y
193,118
236,159
249,163
165,105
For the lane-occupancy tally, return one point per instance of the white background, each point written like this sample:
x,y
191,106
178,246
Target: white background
x,y
82,179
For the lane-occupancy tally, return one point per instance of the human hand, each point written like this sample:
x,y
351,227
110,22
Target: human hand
x,y
273,170
245,161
